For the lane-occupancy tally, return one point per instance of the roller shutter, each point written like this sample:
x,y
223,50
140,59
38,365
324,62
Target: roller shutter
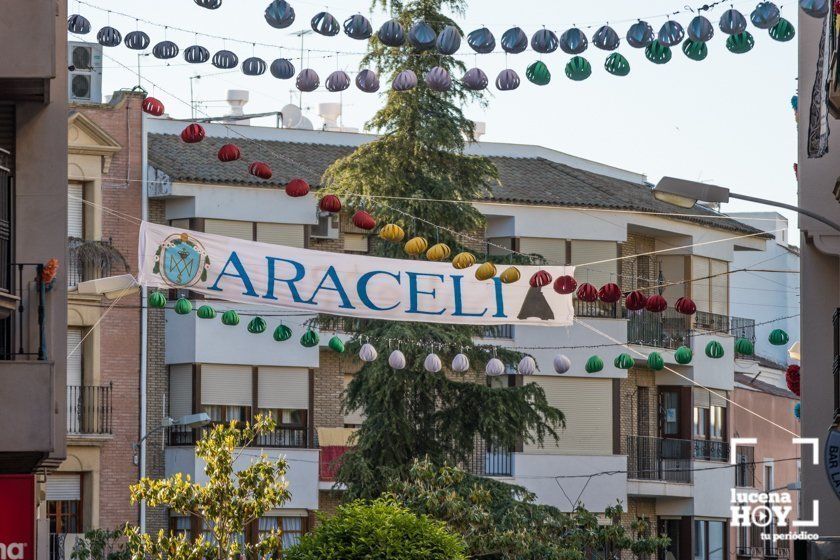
x,y
595,252
283,387
74,360
705,399
497,246
180,390
355,417
552,250
75,210
719,286
700,285
290,235
356,242
64,487
223,384
230,228
180,223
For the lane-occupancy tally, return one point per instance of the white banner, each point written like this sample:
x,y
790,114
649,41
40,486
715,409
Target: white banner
x,y
344,284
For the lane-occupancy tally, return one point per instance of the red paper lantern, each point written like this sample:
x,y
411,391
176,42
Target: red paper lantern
x,y
363,220
635,301
297,187
685,306
656,304
792,378
330,203
260,169
565,285
587,292
193,133
609,293
540,278
229,152
152,106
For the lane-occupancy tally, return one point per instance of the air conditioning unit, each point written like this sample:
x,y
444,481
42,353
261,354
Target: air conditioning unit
x,y
84,64
327,228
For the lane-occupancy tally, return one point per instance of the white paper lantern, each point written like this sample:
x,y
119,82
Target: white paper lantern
x,y
432,363
460,363
396,360
527,366
368,353
495,367
562,364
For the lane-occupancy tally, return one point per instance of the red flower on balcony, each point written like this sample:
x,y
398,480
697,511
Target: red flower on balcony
x,y
686,306
635,301
565,285
229,152
193,133
152,106
587,292
260,169
297,187
656,304
609,293
540,278
792,378
363,220
330,203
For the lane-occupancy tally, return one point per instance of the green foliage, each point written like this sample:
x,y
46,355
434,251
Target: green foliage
x,y
101,544
379,529
227,502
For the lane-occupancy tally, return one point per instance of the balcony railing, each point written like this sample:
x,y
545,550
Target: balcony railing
x,y
499,331
487,461
652,458
89,409
89,260
711,450
596,309
290,437
23,329
671,329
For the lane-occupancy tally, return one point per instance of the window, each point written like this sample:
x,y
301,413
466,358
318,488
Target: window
x,y
290,431
64,503
671,529
716,427
207,533
291,527
745,469
709,433
701,422
228,413
670,413
709,540
75,210
181,524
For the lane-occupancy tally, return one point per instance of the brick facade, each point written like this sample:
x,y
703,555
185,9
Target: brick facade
x,y
634,417
637,272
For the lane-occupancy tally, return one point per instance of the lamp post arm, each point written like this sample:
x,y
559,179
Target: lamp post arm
x,y
834,225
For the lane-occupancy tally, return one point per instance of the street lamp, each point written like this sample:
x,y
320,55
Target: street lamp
x,y
189,421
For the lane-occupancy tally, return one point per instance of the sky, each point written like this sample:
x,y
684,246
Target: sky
x,y
726,120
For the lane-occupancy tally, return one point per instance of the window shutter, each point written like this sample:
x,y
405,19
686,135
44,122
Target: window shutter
x,y
495,244
230,228
700,289
356,242
226,385
283,387
64,487
719,286
180,390
593,252
552,250
75,210
74,360
180,223
290,235
355,417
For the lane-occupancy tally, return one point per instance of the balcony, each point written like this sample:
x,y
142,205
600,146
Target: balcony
x,y
91,260
29,54
659,459
711,450
295,437
89,410
671,329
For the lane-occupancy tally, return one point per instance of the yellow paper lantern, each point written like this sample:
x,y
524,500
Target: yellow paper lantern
x,y
463,260
416,246
486,271
510,275
392,232
438,252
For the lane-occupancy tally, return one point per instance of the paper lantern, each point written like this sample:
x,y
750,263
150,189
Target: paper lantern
x,y
137,41
685,306
330,203
700,30
481,41
463,260
324,23
609,293
336,345
507,80
282,333
309,339
152,106
565,285
815,8
192,133
617,65
229,152
183,306
514,40
260,169
475,79
765,15
732,22
562,364
537,73
578,69
587,292
740,43
225,60
279,14
358,27
397,360
485,272
282,69
405,80
432,363
494,367
640,35
78,24
196,54
392,232
635,301
449,40
363,220
209,4
527,366
253,66
391,33
257,325
438,252
540,278
656,304
594,364
545,41
797,410
510,275
782,31
109,37
206,312
658,53
157,300
778,337
367,353
655,361
437,79
230,318
694,50
671,33
714,349
624,361
421,36
307,80
165,50
744,347
792,377
367,81
337,81
297,188
573,41
606,38
460,363
683,355
416,246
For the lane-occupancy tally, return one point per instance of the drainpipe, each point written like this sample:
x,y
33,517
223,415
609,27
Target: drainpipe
x,y
144,317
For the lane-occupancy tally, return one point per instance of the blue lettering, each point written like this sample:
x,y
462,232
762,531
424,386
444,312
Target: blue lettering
x,y
299,274
414,292
336,287
240,273
459,309
362,285
500,298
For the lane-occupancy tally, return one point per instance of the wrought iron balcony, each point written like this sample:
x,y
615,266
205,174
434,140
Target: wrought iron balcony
x,y
90,260
282,437
89,409
671,329
711,450
652,458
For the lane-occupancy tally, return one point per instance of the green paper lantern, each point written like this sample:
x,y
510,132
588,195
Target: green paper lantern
x,y
309,339
157,300
778,337
538,73
230,318
183,306
744,347
617,65
714,349
257,325
655,361
594,364
740,43
695,50
683,355
206,312
578,69
282,333
624,361
336,345
783,31
658,53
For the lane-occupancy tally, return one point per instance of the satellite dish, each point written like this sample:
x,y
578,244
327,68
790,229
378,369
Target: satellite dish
x,y
305,124
291,115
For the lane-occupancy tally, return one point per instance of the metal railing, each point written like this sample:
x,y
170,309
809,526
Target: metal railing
x,y
668,329
711,450
652,458
292,437
499,331
89,409
596,309
736,326
23,331
487,461
745,467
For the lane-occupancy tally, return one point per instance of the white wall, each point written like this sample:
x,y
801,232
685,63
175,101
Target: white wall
x,y
712,489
